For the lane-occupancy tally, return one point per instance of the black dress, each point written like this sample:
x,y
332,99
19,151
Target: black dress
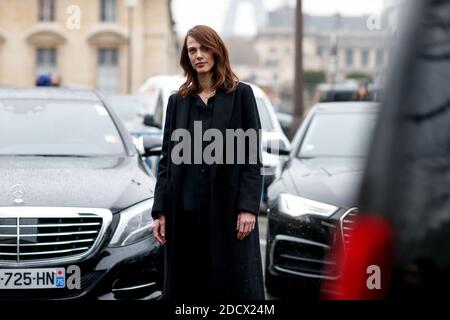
x,y
192,276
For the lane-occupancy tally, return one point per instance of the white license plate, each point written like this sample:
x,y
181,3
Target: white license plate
x,y
32,278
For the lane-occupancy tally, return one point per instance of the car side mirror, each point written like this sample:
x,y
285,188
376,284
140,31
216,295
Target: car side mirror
x,y
152,146
148,146
149,121
278,151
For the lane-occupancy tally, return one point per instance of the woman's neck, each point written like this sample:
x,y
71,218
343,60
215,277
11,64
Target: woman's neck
x,y
205,82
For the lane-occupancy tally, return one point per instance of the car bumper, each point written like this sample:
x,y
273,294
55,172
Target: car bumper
x,y
131,272
298,250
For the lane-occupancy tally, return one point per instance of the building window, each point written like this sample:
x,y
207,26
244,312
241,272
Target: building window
x,y
272,62
349,57
379,57
319,51
365,57
46,10
108,70
275,80
108,10
46,61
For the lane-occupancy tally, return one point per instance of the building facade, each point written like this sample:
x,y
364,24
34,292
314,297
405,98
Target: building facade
x,y
110,45
335,45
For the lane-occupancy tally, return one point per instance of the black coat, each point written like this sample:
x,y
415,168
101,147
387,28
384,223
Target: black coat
x,y
237,268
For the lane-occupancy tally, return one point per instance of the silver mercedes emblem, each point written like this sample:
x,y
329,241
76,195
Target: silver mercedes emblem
x,y
18,192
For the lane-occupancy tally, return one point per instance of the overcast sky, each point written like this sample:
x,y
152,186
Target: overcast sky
x,y
188,13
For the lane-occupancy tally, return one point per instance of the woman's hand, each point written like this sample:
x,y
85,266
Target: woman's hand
x,y
245,224
159,229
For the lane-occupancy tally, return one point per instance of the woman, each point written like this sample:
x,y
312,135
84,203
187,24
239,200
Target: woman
x,y
362,94
205,214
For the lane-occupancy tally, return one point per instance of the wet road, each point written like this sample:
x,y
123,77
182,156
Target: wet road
x,y
262,222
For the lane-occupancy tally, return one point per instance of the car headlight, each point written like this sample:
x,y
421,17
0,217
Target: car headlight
x,y
135,224
298,206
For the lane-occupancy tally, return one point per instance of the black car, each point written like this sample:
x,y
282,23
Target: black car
x,y
75,200
315,196
327,92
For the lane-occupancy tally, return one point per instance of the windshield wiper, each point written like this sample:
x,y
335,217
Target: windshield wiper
x,y
52,155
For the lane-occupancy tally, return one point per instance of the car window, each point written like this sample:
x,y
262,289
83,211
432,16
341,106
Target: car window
x,y
126,108
264,114
338,135
57,127
336,95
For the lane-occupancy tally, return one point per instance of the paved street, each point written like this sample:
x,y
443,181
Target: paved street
x,y
262,222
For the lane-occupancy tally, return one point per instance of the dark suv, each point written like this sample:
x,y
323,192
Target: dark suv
x,y
75,201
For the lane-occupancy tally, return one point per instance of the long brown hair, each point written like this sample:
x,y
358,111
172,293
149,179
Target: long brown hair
x,y
223,77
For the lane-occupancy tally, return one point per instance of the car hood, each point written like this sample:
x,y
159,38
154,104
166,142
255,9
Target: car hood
x,y
96,182
334,181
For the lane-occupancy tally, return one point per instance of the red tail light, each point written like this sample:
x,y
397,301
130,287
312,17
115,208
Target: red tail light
x,y
365,264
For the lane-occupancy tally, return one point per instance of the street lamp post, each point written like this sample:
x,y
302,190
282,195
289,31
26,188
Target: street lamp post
x,y
298,82
130,4
334,41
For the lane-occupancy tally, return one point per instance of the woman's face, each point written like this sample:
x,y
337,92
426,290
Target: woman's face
x,y
201,58
362,91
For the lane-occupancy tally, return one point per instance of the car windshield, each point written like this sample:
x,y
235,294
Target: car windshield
x,y
57,128
264,115
127,108
337,95
338,135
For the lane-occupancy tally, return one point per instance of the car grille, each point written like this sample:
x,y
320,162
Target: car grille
x,y
303,257
347,225
46,235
